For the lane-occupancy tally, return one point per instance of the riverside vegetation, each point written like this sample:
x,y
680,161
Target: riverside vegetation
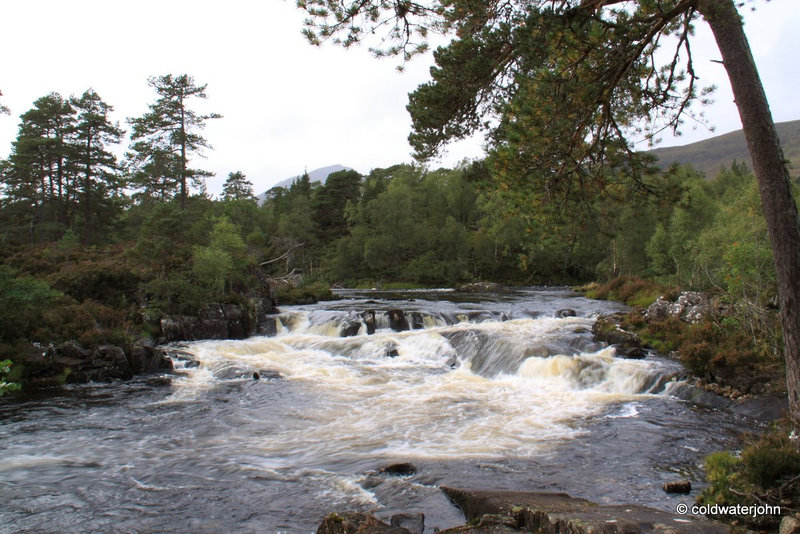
x,y
159,255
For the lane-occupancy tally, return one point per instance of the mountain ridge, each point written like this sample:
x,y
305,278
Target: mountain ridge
x,y
709,155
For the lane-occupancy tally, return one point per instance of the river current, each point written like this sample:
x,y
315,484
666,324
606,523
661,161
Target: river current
x,y
482,391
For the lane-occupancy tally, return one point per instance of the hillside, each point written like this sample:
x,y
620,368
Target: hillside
x,y
709,155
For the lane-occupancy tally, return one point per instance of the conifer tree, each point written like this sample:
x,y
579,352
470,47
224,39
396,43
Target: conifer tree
x,y
237,187
166,137
93,130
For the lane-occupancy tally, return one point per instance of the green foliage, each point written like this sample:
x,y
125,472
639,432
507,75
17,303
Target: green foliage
x,y
5,386
765,471
212,266
22,301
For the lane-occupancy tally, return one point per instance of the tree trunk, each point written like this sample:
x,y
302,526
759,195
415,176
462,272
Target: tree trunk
x,y
769,165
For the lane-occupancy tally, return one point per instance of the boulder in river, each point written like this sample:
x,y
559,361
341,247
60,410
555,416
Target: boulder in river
x,y
397,320
350,328
369,320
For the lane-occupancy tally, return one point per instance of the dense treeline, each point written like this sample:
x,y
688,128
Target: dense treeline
x,y
97,249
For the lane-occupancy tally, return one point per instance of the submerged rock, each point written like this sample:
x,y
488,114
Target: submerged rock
x,y
679,486
403,469
566,312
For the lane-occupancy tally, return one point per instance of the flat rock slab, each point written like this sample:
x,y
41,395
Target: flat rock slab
x,y
554,513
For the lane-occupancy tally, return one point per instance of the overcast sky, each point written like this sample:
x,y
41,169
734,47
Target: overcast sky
x,y
289,106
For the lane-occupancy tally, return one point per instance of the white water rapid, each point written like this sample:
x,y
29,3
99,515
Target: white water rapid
x,y
468,390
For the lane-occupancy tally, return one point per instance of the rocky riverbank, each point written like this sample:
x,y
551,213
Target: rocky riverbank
x,y
508,512
70,362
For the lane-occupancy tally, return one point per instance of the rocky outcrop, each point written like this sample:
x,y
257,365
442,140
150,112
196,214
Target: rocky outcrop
x,y
607,330
550,513
217,321
690,306
72,363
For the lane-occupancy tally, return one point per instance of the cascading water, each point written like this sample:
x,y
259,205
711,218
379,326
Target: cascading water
x,y
497,393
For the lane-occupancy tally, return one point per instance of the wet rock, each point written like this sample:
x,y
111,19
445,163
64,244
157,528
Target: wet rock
x,y
417,321
566,312
697,395
269,374
632,353
356,523
179,328
550,513
679,486
403,469
191,364
212,323
146,358
369,320
236,318
159,381
268,326
350,329
397,320
763,407
391,351
414,523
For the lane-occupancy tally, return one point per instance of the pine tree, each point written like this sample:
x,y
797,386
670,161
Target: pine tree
x,y
93,130
166,137
39,180
237,187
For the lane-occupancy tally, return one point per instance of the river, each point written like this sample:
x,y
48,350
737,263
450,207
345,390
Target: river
x,y
484,391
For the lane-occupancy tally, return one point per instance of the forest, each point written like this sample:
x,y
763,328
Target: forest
x,y
96,248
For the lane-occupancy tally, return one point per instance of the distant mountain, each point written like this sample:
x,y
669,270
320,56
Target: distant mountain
x,y
317,175
709,155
